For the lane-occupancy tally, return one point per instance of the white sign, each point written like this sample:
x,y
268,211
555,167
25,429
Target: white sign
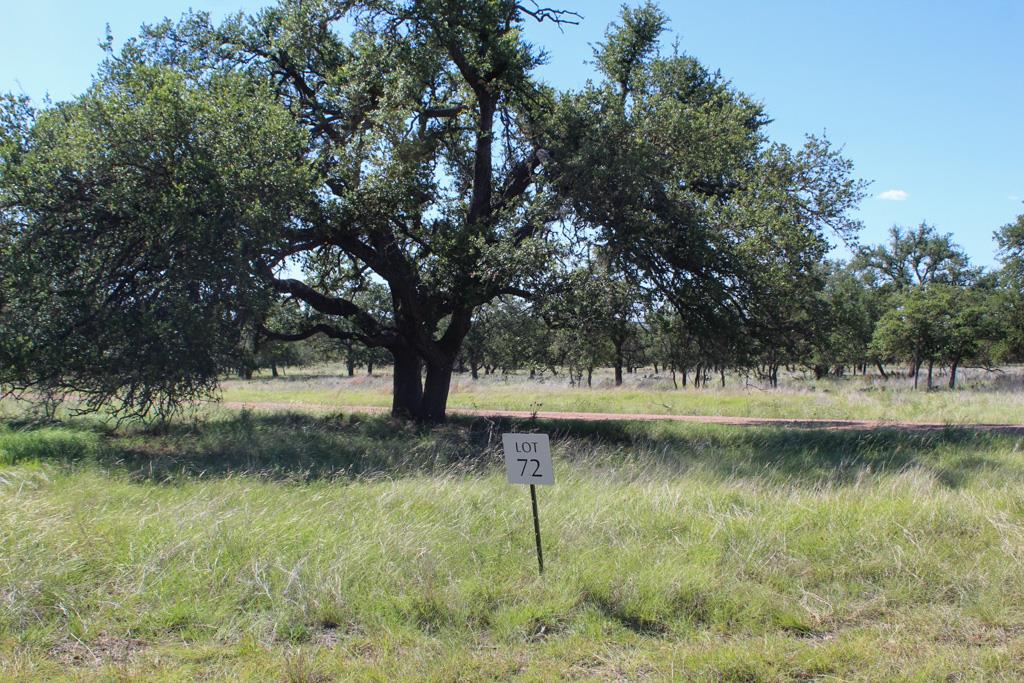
x,y
528,459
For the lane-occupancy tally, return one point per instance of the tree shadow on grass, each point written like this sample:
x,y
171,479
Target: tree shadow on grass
x,y
280,446
805,456
303,447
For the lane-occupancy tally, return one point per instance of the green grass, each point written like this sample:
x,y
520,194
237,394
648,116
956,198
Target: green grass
x,y
301,548
985,397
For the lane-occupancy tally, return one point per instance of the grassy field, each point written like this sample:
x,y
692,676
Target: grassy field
x,y
984,397
293,547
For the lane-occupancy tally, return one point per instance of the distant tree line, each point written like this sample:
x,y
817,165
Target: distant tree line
x,y
910,306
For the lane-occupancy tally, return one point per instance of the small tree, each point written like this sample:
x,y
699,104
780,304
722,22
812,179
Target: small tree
x,y
938,323
973,324
672,345
913,259
580,314
506,335
911,329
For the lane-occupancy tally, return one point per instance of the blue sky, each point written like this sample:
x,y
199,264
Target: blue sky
x,y
927,98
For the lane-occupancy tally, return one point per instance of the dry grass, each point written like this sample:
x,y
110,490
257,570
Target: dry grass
x,y
297,548
983,396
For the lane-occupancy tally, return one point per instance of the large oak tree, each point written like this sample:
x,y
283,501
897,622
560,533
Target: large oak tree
x,y
321,148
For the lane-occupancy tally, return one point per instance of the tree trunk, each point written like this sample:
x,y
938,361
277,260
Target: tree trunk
x,y
674,382
590,376
917,368
273,369
474,370
952,373
722,371
369,368
435,393
618,364
407,384
350,366
931,362
683,373
881,369
416,398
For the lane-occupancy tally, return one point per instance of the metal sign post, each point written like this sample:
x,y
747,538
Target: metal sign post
x,y
536,527
528,461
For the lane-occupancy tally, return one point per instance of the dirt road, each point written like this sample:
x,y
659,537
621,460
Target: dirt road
x,y
794,423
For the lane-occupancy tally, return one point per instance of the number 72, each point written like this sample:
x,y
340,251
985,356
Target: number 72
x,y
527,461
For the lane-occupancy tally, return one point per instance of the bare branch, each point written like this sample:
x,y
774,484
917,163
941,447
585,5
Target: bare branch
x,y
559,17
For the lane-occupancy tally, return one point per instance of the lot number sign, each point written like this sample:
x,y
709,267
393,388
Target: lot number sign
x,y
528,459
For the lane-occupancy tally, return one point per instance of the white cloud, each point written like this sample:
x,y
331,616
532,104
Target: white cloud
x,y
1013,197
894,195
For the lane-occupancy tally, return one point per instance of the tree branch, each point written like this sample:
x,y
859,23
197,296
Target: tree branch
x,y
320,328
329,305
559,17
518,180
442,112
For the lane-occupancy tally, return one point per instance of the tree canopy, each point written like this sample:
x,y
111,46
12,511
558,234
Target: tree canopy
x,y
133,218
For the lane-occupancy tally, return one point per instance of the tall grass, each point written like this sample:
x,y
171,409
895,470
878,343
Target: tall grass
x,y
292,547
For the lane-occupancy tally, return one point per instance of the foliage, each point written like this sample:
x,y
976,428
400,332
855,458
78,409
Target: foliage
x,y
670,167
937,323
132,218
1010,239
843,334
599,317
507,335
915,258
